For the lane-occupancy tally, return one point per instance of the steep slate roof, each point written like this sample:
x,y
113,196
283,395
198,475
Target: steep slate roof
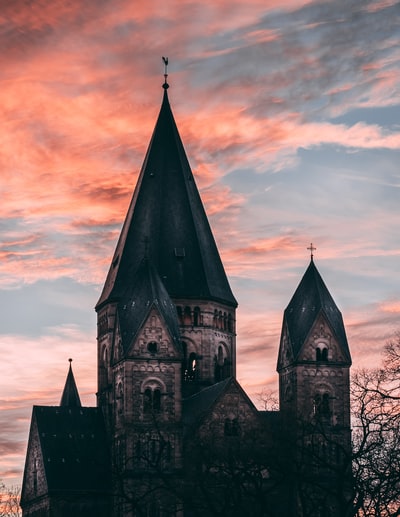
x,y
199,405
166,221
74,448
70,395
142,294
310,299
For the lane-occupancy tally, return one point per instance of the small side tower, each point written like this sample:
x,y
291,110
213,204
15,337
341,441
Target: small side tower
x,y
67,469
314,391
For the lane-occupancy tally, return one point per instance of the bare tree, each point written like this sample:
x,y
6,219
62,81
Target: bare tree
x,y
376,437
234,472
9,501
268,400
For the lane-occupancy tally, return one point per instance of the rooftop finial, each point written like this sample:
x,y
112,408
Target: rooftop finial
x,y
70,395
312,248
165,85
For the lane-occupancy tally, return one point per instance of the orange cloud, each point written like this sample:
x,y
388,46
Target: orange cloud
x,y
80,93
392,306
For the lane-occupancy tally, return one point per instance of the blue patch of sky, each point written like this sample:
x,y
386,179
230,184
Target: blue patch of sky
x,y
387,117
358,281
32,309
245,181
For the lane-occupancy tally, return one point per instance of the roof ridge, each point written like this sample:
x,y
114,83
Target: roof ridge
x,y
210,388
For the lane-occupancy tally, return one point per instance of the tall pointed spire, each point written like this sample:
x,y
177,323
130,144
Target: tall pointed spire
x,y
70,396
166,222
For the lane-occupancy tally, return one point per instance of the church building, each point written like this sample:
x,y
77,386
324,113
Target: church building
x,y
174,433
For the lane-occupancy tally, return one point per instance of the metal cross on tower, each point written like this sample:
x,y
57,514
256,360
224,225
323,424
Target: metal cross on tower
x,y
312,248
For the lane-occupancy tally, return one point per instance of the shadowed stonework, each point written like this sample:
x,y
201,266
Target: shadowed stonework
x,y
174,434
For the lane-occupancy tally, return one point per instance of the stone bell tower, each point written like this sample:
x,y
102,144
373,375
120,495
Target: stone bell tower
x,y
314,390
166,315
314,358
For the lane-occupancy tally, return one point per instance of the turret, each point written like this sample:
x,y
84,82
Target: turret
x,y
314,357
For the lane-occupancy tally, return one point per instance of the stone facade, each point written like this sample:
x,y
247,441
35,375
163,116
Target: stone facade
x,y
174,434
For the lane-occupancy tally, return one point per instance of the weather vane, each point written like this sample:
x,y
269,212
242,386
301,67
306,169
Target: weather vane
x,y
311,248
165,85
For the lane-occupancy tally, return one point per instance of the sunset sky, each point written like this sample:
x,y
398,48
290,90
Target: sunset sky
x,y
290,115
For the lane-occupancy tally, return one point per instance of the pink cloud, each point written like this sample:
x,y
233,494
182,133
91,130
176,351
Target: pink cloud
x,y
380,4
391,306
79,98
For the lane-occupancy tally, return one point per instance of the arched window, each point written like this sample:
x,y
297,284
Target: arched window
x,y
231,427
317,404
321,353
120,452
120,399
215,319
147,401
190,365
156,400
220,357
322,405
190,374
152,347
151,400
325,405
230,323
222,365
104,367
220,321
196,317
187,316
219,364
184,348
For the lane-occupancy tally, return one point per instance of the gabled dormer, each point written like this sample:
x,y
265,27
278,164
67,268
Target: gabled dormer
x,y
145,345
146,301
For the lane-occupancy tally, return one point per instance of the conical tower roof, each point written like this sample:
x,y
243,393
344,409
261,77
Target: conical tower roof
x,y
167,223
310,299
145,292
70,396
